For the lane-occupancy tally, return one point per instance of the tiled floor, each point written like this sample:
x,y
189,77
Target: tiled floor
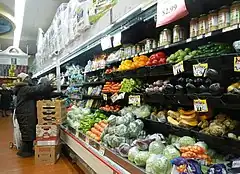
x,y
12,164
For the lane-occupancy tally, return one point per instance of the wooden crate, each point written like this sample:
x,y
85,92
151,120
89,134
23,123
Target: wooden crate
x,y
51,108
51,120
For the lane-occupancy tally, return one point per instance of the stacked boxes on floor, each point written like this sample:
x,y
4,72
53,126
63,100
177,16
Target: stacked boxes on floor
x,y
51,113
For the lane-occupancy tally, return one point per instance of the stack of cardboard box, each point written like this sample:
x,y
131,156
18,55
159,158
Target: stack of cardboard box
x,y
51,113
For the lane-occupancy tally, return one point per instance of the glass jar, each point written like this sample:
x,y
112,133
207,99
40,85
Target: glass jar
x,y
167,37
223,17
178,33
154,44
194,27
133,50
212,20
161,39
148,45
202,24
235,13
139,48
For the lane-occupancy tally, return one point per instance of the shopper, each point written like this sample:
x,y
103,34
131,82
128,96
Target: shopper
x,y
5,99
26,111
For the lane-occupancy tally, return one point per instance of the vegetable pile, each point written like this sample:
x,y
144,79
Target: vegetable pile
x,y
96,131
111,87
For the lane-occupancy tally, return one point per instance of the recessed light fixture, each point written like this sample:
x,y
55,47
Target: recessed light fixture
x,y
18,15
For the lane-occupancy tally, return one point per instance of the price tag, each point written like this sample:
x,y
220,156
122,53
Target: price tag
x,y
114,97
167,46
134,100
236,164
199,37
199,69
178,68
105,97
208,34
200,105
121,96
234,27
102,150
117,39
87,140
106,43
237,64
169,11
150,51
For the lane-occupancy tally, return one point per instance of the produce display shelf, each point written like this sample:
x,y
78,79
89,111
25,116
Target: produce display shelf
x,y
8,77
224,144
181,43
114,162
220,62
102,82
91,97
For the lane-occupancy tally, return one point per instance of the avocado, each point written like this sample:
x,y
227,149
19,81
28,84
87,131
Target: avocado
x,y
179,89
212,74
190,88
168,89
203,89
215,89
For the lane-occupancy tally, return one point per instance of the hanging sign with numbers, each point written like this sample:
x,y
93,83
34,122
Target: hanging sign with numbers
x,y
105,97
200,105
134,100
106,43
178,68
117,39
169,11
114,97
199,69
237,64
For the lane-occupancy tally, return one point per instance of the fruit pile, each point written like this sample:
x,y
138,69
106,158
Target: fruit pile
x,y
131,85
137,62
108,108
111,70
97,130
157,59
182,118
111,87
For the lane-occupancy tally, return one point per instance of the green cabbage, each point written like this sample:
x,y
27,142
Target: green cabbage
x,y
156,147
121,130
132,153
186,141
158,164
141,158
170,152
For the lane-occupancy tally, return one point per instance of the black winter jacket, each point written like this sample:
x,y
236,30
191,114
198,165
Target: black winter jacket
x,y
26,111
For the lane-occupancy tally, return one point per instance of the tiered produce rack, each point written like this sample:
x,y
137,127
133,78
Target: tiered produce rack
x,y
134,27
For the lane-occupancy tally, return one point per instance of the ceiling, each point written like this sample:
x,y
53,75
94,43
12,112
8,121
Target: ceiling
x,y
38,14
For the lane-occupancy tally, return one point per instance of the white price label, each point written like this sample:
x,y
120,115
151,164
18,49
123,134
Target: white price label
x,y
200,105
117,39
87,140
178,68
169,11
237,64
236,164
105,97
150,51
102,150
234,27
134,100
208,34
189,40
114,97
199,69
106,43
121,96
167,46
199,37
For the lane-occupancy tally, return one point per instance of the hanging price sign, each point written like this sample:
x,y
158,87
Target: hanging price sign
x,y
134,100
178,68
105,97
121,96
117,39
106,43
199,69
237,64
169,11
200,105
114,97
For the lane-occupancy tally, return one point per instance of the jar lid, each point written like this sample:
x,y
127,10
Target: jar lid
x,y
212,11
236,2
203,15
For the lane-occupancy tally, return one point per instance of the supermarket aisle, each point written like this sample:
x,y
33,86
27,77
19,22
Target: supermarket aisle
x,y
11,164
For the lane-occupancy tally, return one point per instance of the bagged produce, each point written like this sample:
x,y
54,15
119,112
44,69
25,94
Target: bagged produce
x,y
112,120
134,130
142,112
170,152
156,147
157,164
121,130
140,123
115,141
186,141
111,130
143,144
141,158
132,153
123,149
122,120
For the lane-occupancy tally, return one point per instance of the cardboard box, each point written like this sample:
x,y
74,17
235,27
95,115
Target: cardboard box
x,y
47,135
51,120
47,154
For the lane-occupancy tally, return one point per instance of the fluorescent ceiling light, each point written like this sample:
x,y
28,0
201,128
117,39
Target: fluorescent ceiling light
x,y
18,14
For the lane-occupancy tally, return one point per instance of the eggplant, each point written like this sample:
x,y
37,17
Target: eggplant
x,y
208,82
215,89
212,74
198,82
179,89
191,88
203,89
181,81
189,80
168,89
